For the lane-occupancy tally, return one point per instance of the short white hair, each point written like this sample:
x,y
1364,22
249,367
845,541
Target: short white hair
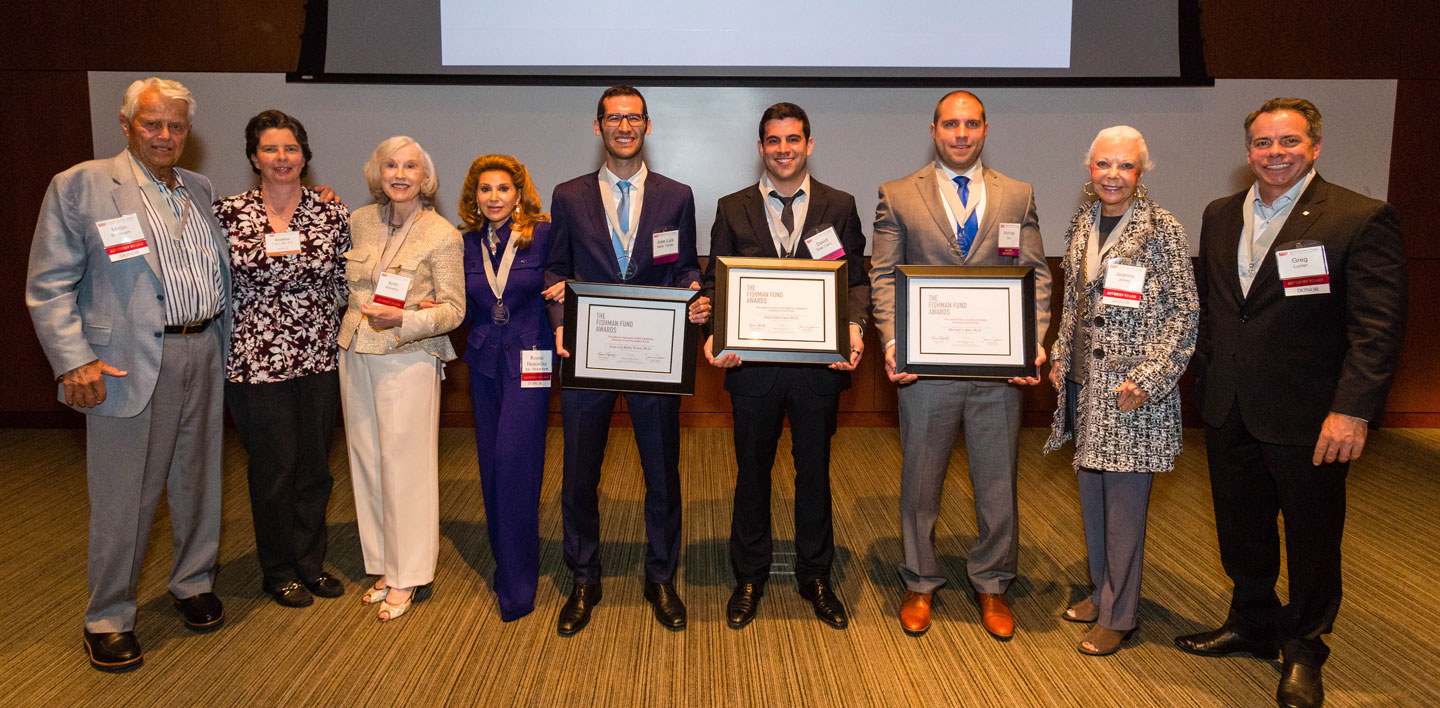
x,y
429,182
167,89
1121,132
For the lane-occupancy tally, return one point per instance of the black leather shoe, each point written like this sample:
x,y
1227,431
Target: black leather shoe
x,y
743,604
1224,642
1299,687
291,594
325,585
202,612
663,599
113,651
827,604
576,612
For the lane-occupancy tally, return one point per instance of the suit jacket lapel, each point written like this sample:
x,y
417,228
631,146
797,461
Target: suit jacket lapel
x,y
930,195
642,248
814,216
128,200
994,199
595,211
754,206
1227,235
1302,216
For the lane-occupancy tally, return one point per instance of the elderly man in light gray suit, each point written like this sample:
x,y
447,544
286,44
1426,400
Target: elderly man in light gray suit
x,y
128,289
954,212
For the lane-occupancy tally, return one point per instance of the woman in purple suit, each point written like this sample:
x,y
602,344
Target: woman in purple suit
x,y
509,350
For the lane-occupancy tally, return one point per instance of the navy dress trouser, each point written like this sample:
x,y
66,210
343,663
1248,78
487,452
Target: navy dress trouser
x,y
510,437
656,421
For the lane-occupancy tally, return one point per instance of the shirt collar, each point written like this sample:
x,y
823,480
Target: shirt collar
x,y
1288,197
143,173
766,186
636,180
974,173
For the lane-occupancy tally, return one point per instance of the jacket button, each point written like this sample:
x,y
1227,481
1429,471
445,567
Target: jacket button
x,y
1099,321
158,335
160,297
1244,319
1099,353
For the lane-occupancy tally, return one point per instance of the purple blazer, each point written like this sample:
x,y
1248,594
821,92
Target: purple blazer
x,y
488,343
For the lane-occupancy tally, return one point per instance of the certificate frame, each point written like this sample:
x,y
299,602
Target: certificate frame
x,y
598,359
828,338
1001,357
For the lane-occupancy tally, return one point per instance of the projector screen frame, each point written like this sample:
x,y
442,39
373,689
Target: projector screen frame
x,y
314,39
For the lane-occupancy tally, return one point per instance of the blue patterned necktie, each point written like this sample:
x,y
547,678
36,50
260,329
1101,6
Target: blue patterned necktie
x,y
623,211
971,226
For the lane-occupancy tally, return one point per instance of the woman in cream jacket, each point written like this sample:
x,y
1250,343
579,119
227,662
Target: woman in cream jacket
x,y
392,354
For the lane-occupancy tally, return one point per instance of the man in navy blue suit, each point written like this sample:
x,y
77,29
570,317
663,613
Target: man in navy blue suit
x,y
622,224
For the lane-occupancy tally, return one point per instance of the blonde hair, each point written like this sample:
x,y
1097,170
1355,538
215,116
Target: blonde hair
x,y
527,209
429,183
168,90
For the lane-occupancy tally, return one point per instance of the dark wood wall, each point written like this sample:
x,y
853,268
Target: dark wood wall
x,y
45,128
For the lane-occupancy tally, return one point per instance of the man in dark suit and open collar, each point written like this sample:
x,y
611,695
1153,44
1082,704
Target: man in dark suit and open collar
x,y
622,224
788,214
1302,312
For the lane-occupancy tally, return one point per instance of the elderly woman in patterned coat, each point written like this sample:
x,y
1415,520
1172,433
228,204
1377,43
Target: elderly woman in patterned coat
x,y
281,384
1125,337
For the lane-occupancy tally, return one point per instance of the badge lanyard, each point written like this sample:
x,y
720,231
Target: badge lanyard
x,y
499,314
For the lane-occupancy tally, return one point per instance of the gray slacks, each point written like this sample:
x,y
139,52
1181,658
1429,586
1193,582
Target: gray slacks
x,y
1113,506
931,413
172,446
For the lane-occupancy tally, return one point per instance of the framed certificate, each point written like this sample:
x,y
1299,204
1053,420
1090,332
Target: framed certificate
x,y
973,322
629,338
782,309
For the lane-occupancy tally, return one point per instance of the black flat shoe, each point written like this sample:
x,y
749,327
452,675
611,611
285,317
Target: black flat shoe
x,y
325,585
669,610
113,652
1300,687
202,612
1224,642
291,594
744,604
827,605
576,612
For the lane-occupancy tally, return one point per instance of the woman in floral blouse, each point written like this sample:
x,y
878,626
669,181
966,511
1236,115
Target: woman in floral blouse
x,y
281,382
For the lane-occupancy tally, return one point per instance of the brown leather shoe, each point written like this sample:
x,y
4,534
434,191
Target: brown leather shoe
x,y
995,614
915,612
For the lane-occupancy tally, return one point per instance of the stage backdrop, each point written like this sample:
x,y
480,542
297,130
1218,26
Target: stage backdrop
x,y
705,137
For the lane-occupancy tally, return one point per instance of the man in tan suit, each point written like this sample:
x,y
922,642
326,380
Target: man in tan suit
x,y
953,212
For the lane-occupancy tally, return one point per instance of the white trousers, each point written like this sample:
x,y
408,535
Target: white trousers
x,y
392,432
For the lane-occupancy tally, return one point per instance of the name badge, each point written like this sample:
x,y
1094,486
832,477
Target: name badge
x,y
1303,271
1010,240
1123,285
665,247
535,368
284,243
825,245
123,238
391,290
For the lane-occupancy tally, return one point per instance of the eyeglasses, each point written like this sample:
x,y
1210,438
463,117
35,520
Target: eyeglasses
x,y
613,120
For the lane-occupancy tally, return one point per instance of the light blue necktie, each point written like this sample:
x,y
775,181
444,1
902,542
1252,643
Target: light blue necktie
x,y
623,211
971,226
